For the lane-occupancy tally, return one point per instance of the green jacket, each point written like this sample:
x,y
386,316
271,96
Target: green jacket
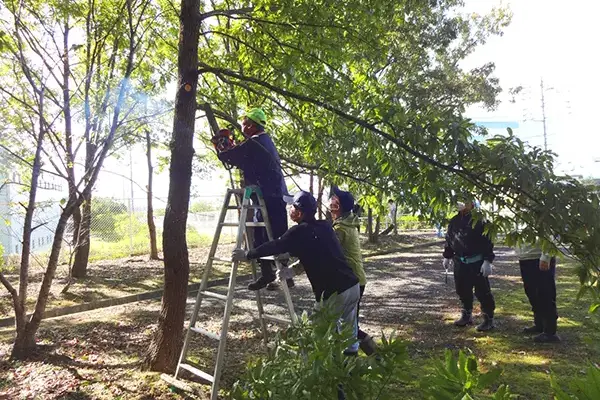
x,y
346,228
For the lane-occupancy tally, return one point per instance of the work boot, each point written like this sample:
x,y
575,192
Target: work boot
x,y
465,319
487,324
546,338
260,283
275,285
368,345
537,327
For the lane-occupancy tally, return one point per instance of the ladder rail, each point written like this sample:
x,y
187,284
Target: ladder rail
x,y
228,304
245,232
203,283
284,286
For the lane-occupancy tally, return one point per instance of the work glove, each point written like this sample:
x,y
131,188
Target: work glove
x,y
239,255
283,257
447,263
544,263
285,273
486,268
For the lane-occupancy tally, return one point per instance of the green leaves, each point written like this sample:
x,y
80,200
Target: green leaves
x,y
581,389
307,363
460,378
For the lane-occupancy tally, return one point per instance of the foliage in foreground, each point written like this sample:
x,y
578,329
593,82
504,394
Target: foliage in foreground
x,y
460,378
587,388
307,363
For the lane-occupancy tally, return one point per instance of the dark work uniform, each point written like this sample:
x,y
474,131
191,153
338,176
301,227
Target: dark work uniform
x,y
469,247
540,288
257,157
316,245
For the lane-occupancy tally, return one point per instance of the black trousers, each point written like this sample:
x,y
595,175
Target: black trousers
x,y
540,288
467,277
277,210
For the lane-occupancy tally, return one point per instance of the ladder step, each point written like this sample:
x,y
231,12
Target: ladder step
x,y
239,208
206,333
214,295
197,372
224,260
248,224
236,191
277,319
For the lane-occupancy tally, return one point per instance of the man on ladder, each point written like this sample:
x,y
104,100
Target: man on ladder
x,y
257,157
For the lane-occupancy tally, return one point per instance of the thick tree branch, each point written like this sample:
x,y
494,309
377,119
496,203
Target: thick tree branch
x,y
225,13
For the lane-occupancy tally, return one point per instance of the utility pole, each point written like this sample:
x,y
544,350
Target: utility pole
x,y
544,115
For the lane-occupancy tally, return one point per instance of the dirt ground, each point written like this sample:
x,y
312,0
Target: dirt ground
x,y
96,355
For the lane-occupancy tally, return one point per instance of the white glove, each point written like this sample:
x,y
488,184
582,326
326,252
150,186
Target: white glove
x,y
447,263
285,273
239,255
486,268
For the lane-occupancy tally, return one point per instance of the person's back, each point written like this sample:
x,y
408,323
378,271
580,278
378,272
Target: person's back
x,y
257,157
316,245
346,229
260,161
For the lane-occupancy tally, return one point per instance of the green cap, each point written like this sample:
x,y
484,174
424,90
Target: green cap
x,y
257,115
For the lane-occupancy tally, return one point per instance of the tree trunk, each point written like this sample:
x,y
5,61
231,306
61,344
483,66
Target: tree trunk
x,y
320,196
166,346
370,225
20,301
25,340
311,184
82,248
151,226
377,227
395,217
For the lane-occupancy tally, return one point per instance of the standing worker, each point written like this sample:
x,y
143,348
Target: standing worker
x,y
472,253
346,225
538,272
259,160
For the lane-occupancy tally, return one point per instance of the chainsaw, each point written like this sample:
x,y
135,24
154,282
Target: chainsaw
x,y
223,140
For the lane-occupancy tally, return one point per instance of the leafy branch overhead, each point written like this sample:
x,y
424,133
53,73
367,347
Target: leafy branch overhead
x,y
380,108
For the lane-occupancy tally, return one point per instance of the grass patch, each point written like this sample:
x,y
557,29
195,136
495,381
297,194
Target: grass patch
x,y
527,366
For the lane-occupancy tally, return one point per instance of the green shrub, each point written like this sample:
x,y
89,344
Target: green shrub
x,y
460,378
407,222
105,214
308,363
587,388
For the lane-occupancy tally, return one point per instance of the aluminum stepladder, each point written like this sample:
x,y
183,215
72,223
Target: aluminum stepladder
x,y
242,237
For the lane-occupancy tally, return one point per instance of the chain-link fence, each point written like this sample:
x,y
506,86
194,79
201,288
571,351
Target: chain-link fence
x,y
118,226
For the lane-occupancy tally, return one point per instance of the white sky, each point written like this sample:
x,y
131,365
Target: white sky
x,y
558,42
547,39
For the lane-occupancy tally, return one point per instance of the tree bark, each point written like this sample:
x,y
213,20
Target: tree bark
x,y
395,217
320,196
370,225
150,212
376,232
25,340
82,248
20,301
311,184
166,346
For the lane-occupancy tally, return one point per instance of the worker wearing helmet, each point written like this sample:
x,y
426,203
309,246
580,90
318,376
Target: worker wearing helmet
x,y
259,161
